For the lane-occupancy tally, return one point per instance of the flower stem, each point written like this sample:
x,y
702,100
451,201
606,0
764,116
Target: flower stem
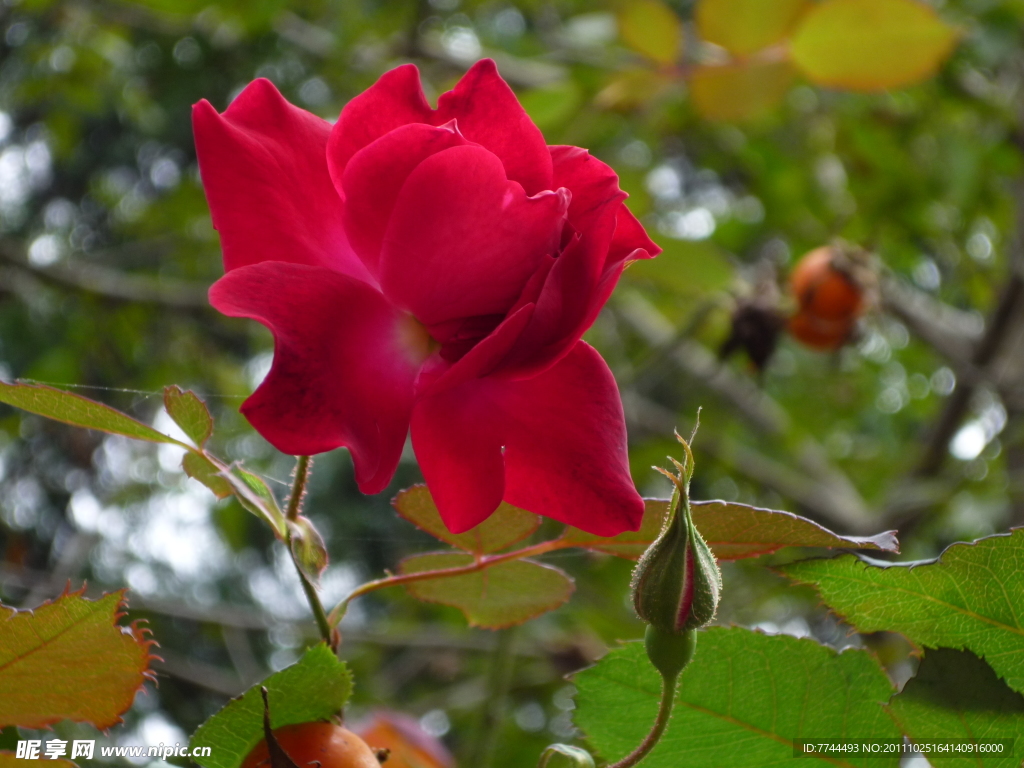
x,y
302,469
668,699
314,603
499,678
298,487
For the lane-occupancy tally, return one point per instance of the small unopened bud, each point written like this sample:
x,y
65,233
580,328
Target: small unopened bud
x,y
565,756
676,584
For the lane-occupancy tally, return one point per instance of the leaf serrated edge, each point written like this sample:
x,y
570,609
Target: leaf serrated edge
x,y
138,634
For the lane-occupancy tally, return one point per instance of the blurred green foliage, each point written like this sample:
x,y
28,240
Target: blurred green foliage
x,y
106,249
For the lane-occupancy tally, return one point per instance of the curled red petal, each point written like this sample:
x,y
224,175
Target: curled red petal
x,y
488,113
375,175
396,99
554,444
583,276
265,174
345,362
463,240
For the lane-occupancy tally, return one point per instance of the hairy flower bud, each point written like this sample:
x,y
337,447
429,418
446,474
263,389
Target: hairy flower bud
x,y
676,584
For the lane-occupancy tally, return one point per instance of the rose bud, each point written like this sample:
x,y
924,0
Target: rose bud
x,y
676,584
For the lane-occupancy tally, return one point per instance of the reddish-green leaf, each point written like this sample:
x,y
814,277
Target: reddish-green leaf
x,y
971,597
740,91
78,411
499,596
69,660
871,45
8,760
199,467
733,531
652,28
189,413
502,529
745,26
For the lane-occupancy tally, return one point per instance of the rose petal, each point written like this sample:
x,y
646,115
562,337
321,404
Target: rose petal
x,y
554,444
463,240
345,362
630,241
265,175
489,114
374,177
396,99
573,292
437,374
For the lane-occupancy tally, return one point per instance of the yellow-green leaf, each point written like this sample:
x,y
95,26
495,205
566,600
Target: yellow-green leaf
x,y
69,659
77,411
502,529
652,28
871,45
740,91
499,596
189,413
10,760
745,26
733,531
199,467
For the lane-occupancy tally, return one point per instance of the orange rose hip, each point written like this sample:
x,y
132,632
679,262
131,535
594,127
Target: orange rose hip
x,y
316,744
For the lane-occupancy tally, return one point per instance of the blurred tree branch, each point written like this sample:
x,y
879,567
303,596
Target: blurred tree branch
x,y
103,281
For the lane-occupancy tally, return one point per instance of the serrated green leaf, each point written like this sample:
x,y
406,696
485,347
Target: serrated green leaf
x,y
871,45
652,28
316,687
190,413
307,548
741,702
502,529
200,468
733,531
69,659
957,695
78,411
970,597
745,26
499,596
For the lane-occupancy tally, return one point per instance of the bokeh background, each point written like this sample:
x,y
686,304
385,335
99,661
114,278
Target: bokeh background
x,y
739,158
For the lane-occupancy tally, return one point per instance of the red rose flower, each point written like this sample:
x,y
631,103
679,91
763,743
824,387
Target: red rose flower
x,y
432,268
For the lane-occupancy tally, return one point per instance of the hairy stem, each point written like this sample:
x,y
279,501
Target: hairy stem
x,y
294,507
298,487
668,698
